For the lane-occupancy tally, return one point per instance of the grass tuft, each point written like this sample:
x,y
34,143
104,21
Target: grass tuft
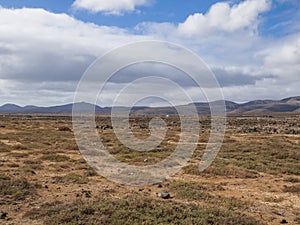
x,y
135,210
55,157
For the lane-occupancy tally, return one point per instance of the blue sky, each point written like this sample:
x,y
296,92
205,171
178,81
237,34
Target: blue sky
x,y
163,11
158,11
253,46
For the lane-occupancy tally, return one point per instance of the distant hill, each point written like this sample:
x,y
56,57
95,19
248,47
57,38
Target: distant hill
x,y
85,107
287,105
291,105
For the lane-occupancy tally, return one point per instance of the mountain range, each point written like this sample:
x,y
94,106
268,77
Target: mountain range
x,y
287,105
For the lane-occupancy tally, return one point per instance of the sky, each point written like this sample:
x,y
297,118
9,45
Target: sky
x,y
252,46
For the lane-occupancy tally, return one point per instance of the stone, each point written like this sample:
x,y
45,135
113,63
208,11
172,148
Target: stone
x,y
164,195
3,215
283,221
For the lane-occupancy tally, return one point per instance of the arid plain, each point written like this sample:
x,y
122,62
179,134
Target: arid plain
x,y
255,178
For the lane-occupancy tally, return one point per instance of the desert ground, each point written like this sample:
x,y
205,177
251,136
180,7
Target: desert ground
x,y
255,178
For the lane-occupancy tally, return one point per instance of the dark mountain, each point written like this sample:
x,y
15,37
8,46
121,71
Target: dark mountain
x,y
82,107
7,108
291,100
291,105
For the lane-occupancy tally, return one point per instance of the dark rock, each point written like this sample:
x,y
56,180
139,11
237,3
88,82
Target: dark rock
x,y
64,129
104,127
254,130
3,215
164,195
283,221
88,194
159,186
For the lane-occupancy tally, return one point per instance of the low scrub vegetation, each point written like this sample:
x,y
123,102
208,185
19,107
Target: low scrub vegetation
x,y
44,178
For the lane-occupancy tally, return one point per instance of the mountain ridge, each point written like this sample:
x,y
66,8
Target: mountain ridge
x,y
286,105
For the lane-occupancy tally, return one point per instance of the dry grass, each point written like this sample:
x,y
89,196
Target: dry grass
x,y
254,179
16,189
135,210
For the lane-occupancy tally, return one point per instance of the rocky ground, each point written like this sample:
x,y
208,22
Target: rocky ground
x,y
255,178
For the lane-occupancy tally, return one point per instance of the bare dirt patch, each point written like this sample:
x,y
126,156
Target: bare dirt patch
x,y
45,180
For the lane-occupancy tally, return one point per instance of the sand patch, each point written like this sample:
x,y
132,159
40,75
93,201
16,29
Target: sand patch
x,y
10,143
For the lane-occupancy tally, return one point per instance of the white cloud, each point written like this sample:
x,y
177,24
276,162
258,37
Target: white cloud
x,y
279,58
226,37
36,93
286,53
282,58
226,34
43,54
38,46
115,7
225,18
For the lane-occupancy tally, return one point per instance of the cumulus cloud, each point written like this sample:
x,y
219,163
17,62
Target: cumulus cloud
x,y
284,56
225,18
115,7
278,72
247,64
232,76
227,34
38,45
43,55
